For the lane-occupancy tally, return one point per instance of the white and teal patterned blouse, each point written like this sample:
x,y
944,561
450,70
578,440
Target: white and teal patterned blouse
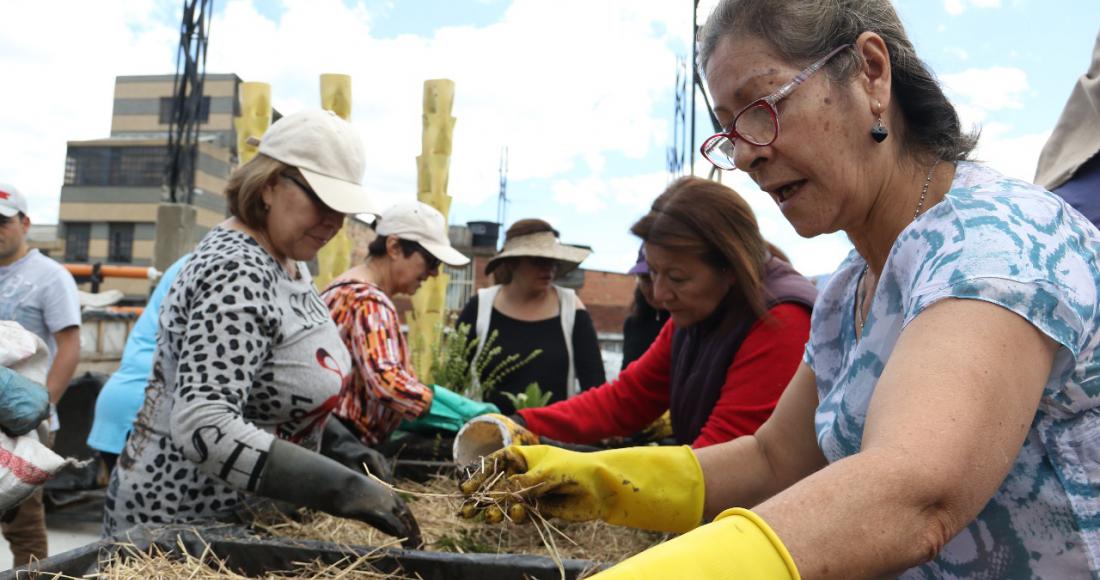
x,y
1010,243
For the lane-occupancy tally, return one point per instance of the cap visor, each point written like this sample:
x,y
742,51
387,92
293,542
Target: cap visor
x,y
446,254
340,195
639,268
7,211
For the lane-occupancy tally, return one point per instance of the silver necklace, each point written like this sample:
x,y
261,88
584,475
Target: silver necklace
x,y
861,292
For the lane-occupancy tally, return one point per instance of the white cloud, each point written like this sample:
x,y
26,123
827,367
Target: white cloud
x,y
977,92
560,102
994,88
566,104
957,7
630,194
580,196
957,52
1014,155
59,62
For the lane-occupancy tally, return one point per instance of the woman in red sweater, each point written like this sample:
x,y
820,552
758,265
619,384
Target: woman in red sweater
x,y
740,317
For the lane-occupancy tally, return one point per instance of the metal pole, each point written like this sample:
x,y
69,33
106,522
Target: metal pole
x,y
694,79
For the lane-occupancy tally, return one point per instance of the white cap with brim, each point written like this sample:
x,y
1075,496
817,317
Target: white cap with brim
x,y
328,152
12,201
421,223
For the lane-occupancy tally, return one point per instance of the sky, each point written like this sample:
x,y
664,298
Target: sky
x,y
580,92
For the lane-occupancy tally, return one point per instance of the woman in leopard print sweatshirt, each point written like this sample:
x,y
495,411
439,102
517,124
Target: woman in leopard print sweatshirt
x,y
248,363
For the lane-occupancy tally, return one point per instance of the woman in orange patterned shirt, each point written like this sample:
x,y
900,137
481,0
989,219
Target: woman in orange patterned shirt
x,y
383,388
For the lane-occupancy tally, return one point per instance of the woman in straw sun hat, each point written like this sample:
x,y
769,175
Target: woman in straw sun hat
x,y
248,364
528,311
383,389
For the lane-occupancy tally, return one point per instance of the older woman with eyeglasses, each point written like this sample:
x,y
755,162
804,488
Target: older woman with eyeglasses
x,y
383,389
248,364
945,419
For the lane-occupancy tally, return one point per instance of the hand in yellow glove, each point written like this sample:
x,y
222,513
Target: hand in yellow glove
x,y
653,488
738,544
485,434
659,429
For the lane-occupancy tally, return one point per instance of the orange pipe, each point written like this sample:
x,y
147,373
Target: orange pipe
x,y
136,310
137,272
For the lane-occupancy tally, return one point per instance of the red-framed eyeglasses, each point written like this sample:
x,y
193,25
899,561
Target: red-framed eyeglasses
x,y
757,123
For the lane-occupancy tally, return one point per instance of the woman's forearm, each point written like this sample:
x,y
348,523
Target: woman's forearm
x,y
871,515
736,474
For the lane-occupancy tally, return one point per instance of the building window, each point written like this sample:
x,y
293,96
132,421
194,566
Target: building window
x,y
120,242
70,170
125,166
138,166
167,106
77,237
460,286
90,165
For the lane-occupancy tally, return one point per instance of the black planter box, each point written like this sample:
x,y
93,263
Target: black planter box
x,y
251,556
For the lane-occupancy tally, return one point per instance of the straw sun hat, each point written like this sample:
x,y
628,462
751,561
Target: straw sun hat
x,y
540,245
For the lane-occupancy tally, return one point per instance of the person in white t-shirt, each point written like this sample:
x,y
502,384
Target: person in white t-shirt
x,y
40,294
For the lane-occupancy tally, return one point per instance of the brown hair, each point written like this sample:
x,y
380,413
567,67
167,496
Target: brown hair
x,y
377,247
244,192
502,272
707,219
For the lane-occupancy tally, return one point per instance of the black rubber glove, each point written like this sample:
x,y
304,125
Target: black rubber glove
x,y
302,477
339,443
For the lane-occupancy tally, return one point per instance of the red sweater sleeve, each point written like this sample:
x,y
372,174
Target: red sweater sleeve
x,y
620,408
765,363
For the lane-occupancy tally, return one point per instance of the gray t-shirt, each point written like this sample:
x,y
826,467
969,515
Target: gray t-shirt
x,y
39,294
244,354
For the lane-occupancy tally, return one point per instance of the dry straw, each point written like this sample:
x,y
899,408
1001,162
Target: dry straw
x,y
436,505
128,562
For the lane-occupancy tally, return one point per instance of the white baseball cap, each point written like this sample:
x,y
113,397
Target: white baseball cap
x,y
421,223
11,201
328,152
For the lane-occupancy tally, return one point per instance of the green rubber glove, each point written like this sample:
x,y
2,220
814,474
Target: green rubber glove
x,y
738,544
653,488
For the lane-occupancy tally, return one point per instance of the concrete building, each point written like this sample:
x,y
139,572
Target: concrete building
x,y
113,185
44,238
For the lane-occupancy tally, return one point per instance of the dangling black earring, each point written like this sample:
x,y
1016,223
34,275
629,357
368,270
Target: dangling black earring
x,y
878,130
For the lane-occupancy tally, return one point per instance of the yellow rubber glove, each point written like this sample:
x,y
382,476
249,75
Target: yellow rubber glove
x,y
738,544
485,434
653,488
660,428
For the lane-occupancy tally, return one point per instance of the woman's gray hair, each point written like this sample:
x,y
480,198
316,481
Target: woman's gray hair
x,y
802,31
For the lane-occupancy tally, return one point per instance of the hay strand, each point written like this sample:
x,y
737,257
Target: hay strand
x,y
436,505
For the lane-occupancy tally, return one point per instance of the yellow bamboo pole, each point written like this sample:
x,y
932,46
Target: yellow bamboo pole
x,y
335,257
255,118
432,170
